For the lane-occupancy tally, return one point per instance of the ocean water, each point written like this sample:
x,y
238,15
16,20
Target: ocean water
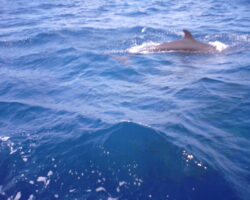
x,y
83,115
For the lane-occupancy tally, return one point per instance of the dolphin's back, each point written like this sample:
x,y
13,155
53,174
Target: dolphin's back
x,y
188,44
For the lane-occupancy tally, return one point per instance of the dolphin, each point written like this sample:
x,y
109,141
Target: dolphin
x,y
186,44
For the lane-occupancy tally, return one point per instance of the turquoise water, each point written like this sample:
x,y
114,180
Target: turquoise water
x,y
81,117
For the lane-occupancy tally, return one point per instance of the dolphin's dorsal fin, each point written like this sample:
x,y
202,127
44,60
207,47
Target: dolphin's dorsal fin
x,y
187,34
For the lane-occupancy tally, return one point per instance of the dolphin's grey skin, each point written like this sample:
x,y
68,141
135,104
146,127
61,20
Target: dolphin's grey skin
x,y
186,44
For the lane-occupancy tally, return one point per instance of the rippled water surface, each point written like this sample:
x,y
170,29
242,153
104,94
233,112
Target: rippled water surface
x,y
82,118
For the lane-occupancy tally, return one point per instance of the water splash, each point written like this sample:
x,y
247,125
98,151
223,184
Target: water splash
x,y
143,48
219,45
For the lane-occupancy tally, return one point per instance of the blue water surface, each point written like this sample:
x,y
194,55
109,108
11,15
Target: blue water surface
x,y
81,118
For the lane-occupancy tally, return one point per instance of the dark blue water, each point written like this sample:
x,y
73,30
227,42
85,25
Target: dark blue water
x,y
81,118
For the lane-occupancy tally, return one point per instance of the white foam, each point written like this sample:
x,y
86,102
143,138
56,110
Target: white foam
x,y
219,45
1,190
44,180
18,196
50,173
41,179
143,48
111,198
4,138
121,183
12,150
31,197
47,183
31,182
100,189
72,190
143,29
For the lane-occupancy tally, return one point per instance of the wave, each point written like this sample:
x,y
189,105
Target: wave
x,y
125,161
33,40
44,118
